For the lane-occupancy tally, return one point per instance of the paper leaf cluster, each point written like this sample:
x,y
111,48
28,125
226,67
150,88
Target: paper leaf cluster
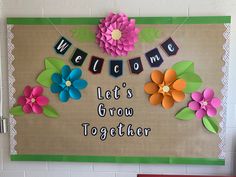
x,y
149,35
210,123
185,70
83,35
47,110
52,65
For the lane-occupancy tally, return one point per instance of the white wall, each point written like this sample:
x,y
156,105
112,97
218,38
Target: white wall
x,y
78,8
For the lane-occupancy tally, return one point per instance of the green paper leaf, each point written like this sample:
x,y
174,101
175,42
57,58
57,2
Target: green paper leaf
x,y
44,77
183,67
17,111
50,111
185,114
149,34
193,81
83,34
210,124
54,64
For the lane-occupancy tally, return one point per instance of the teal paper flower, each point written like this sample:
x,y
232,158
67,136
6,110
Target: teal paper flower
x,y
68,84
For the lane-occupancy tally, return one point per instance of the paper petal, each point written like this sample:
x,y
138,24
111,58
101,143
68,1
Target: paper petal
x,y
197,96
64,96
156,98
179,84
56,78
80,84
185,114
167,102
193,82
208,94
50,111
74,93
45,77
37,109
75,74
27,91
17,111
200,113
215,102
55,88
194,105
55,64
211,124
178,96
27,108
37,91
42,100
211,111
65,71
170,76
150,88
157,76
183,67
21,100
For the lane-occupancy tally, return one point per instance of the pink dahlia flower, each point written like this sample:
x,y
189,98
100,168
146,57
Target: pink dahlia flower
x,y
32,101
116,34
204,103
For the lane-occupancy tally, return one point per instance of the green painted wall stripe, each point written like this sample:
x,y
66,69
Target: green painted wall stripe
x,y
139,20
114,159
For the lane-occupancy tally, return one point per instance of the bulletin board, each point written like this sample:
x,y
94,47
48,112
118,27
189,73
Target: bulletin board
x,y
118,89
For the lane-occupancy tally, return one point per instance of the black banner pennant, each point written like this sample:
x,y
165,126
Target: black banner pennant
x,y
78,57
136,66
170,47
96,64
62,46
154,58
116,68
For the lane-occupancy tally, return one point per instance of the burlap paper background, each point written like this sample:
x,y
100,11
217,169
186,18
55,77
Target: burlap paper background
x,y
169,137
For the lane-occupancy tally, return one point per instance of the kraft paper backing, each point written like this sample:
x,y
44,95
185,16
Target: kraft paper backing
x,y
169,137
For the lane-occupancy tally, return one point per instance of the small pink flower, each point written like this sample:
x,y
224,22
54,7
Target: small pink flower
x,y
116,34
204,103
32,101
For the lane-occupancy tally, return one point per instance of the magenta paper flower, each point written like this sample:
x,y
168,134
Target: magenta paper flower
x,y
32,101
204,103
116,34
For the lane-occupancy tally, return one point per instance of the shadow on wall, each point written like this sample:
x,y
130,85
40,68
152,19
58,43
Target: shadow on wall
x,y
234,155
234,166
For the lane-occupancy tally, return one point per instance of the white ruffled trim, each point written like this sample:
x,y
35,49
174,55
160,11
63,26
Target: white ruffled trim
x,y
12,90
224,91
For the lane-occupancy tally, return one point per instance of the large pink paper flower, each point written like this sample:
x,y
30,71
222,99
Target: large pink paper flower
x,y
116,34
32,101
204,103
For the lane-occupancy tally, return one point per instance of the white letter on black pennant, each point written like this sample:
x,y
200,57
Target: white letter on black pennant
x,y
170,47
96,65
116,68
62,46
154,57
136,66
78,57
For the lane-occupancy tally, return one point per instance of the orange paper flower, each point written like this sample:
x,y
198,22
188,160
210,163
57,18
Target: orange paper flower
x,y
165,88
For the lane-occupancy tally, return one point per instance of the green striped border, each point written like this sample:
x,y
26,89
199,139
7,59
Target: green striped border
x,y
120,159
139,20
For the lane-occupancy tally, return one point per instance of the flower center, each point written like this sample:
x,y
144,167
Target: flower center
x,y
116,34
68,83
204,103
33,100
166,88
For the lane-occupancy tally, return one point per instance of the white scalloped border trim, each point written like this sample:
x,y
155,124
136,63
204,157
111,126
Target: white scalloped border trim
x,y
224,90
12,90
